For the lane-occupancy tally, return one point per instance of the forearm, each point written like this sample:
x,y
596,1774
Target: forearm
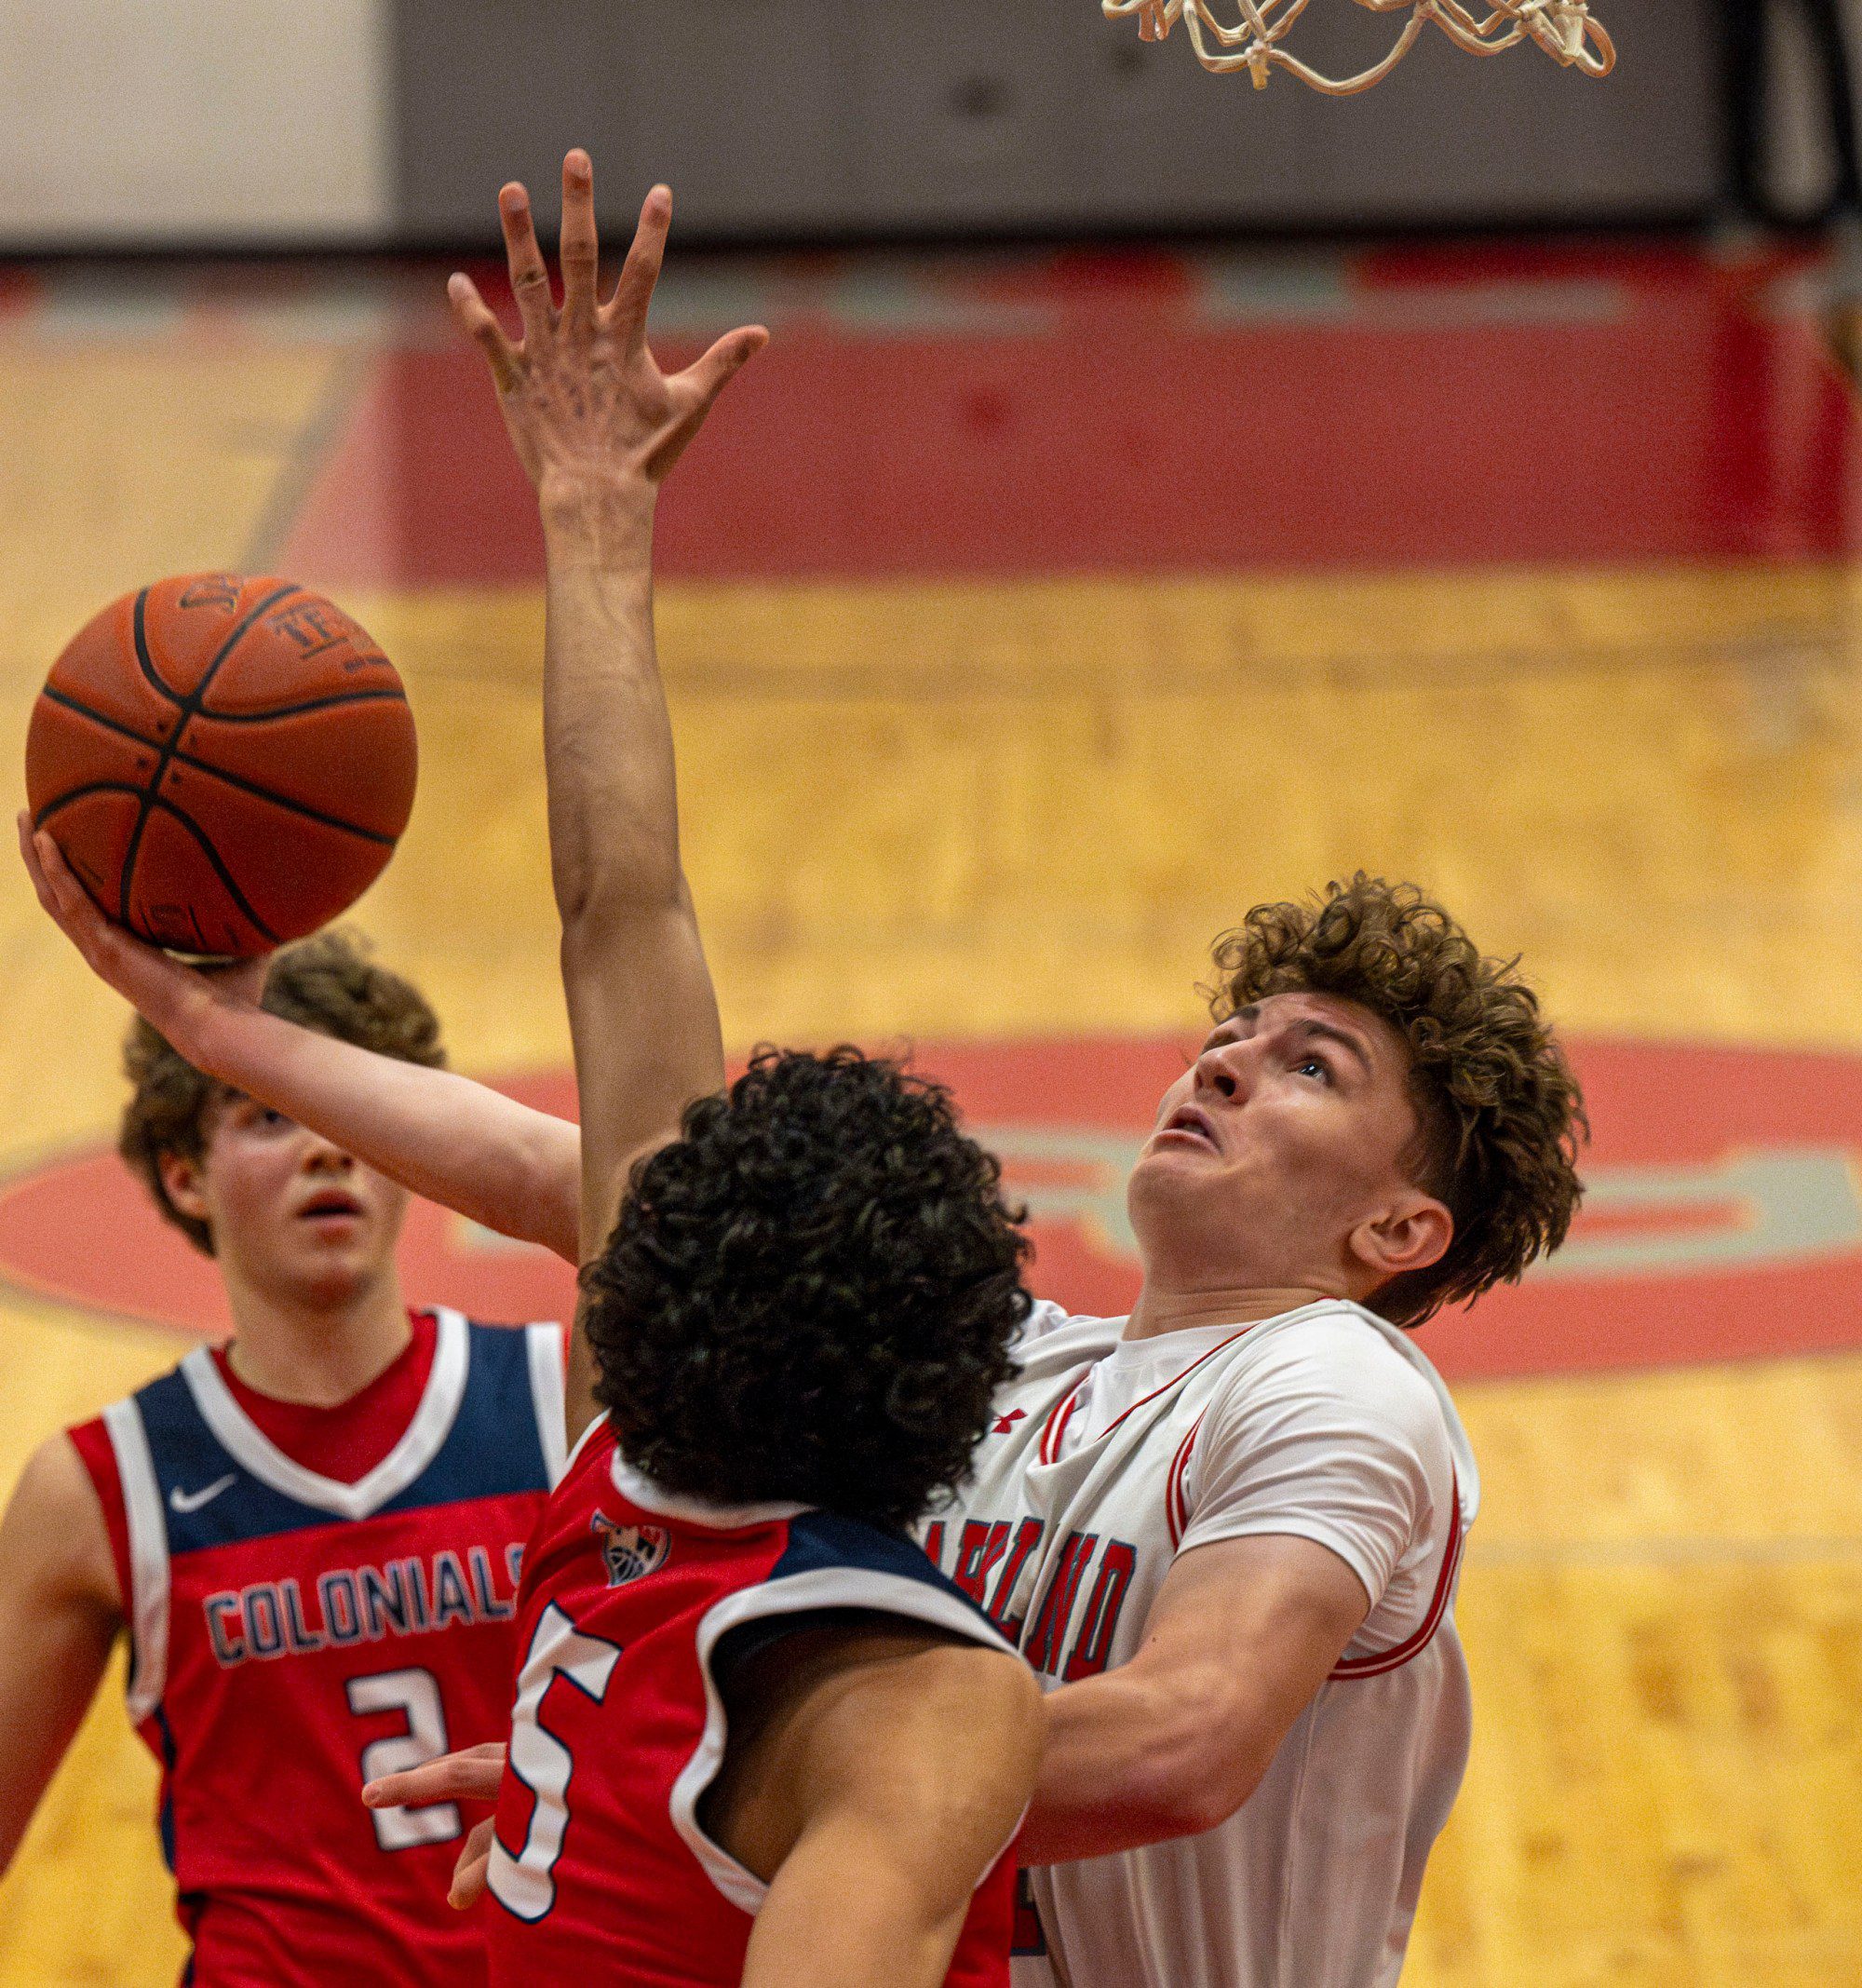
x,y
641,1011
456,1142
614,821
1125,1765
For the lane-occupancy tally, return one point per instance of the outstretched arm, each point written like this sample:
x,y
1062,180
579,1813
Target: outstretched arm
x,y
597,427
460,1144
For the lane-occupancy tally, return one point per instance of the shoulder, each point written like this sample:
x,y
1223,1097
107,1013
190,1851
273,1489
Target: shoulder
x,y
1338,1358
826,1564
55,1527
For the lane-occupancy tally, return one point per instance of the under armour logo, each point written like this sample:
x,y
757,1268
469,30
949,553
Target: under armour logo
x,y
1005,1423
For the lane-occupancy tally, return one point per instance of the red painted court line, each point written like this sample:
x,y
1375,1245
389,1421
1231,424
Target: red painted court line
x,y
1136,434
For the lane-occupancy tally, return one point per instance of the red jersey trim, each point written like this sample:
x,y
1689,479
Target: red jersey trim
x,y
1051,1435
1176,1497
1058,1418
1376,1662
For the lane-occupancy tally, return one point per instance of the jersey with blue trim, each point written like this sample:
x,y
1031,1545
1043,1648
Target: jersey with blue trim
x,y
293,1636
601,1868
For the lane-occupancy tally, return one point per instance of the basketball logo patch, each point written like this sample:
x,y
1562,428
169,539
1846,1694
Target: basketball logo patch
x,y
631,1552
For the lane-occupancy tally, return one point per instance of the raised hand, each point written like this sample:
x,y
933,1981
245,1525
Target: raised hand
x,y
586,404
170,995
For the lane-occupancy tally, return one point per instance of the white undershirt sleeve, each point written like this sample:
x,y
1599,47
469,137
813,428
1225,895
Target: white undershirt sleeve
x,y
1334,1438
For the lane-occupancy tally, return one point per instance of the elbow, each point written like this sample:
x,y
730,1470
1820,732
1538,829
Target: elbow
x,y
1189,1787
598,891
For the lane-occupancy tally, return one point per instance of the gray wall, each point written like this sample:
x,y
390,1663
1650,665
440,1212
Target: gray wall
x,y
784,117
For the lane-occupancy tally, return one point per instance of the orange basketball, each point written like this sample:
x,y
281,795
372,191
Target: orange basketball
x,y
227,763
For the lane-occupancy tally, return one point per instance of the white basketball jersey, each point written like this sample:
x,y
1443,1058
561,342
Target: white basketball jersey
x,y
1109,1458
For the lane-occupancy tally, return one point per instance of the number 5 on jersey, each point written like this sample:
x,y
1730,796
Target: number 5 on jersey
x,y
523,1884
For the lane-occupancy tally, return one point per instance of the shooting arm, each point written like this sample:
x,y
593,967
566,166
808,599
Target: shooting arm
x,y
59,1613
457,1142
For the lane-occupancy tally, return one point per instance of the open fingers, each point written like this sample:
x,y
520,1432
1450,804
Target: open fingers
x,y
581,249
627,309
530,275
715,370
480,324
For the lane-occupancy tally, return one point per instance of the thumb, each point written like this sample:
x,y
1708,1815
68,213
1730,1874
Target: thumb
x,y
721,364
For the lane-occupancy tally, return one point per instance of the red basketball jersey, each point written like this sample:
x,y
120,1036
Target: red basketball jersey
x,y
293,1636
601,1870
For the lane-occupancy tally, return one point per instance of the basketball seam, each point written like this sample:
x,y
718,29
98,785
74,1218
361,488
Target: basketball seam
x,y
297,710
219,773
220,868
187,822
138,625
190,708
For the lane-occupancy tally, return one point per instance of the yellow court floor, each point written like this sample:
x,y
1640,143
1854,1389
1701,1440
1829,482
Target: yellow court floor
x,y
1000,806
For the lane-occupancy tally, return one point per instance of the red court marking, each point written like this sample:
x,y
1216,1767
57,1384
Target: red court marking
x,y
1142,432
80,1231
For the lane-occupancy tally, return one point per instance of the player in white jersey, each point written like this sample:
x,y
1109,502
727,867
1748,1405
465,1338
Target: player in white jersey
x,y
1226,1529
1112,1460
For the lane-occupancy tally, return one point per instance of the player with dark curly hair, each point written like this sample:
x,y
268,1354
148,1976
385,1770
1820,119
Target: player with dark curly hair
x,y
840,1255
1226,1530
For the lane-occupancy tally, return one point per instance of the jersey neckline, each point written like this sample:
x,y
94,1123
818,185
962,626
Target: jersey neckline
x,y
640,1489
413,1449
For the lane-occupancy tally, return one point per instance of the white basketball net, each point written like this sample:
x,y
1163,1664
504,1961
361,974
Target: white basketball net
x,y
1562,28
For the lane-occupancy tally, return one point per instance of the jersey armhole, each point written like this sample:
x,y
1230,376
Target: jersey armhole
x,y
829,1591
91,1440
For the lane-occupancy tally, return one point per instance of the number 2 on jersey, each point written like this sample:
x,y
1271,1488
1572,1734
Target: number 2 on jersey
x,y
415,1695
523,1884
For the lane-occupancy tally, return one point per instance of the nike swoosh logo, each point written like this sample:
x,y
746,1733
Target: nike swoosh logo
x,y
185,1501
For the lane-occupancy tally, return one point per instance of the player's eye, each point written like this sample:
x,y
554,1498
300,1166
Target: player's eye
x,y
1316,1067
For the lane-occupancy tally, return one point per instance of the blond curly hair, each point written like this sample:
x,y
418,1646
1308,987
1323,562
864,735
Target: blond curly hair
x,y
1500,1114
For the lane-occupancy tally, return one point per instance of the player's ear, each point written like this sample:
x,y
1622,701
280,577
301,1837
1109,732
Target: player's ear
x,y
180,1183
1409,1234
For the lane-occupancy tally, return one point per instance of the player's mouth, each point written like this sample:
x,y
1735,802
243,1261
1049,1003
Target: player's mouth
x,y
332,1211
1189,1123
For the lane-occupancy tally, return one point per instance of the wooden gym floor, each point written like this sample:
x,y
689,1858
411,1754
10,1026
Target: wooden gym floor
x,y
1026,619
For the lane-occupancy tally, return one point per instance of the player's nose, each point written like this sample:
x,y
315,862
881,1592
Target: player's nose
x,y
1226,1070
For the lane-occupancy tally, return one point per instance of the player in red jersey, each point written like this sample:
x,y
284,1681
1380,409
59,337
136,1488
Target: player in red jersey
x,y
758,1738
311,1536
752,1741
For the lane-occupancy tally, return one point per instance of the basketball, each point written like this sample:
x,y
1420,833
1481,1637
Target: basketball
x,y
226,763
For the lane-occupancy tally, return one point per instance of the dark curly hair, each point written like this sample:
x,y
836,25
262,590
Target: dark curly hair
x,y
327,983
811,1294
1500,1115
